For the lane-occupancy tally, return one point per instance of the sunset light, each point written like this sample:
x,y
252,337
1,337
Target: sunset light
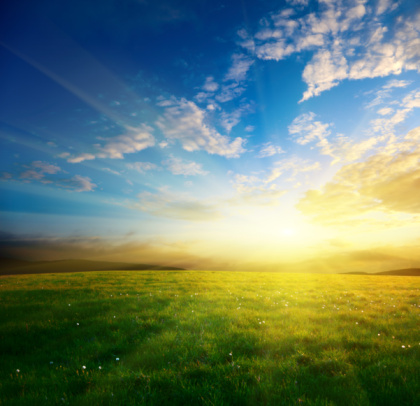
x,y
212,136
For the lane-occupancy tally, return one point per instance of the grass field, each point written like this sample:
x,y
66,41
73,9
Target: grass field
x,y
209,338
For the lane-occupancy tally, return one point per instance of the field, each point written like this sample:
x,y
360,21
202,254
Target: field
x,y
209,338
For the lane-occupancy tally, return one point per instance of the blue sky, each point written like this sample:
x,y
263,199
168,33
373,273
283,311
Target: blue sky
x,y
211,134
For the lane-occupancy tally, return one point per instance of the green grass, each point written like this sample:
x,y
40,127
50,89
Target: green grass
x,y
209,338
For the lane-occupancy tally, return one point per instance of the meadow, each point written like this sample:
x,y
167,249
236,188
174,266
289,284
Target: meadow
x,y
209,338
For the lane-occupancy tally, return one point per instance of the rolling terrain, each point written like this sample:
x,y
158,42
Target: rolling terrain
x,y
18,267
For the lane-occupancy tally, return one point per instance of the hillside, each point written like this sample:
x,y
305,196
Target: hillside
x,y
395,272
402,272
18,267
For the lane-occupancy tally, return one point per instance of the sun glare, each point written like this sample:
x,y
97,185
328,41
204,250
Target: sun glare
x,y
288,232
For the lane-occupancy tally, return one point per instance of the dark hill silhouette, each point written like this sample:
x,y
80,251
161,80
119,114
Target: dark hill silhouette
x,y
18,267
402,272
396,272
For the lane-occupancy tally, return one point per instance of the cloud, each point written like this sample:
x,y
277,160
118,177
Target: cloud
x,y
348,40
186,122
268,149
230,92
298,2
79,158
305,130
386,90
230,120
6,176
264,188
37,170
142,167
239,68
109,170
210,85
325,71
134,140
385,111
78,183
401,110
187,168
385,184
175,206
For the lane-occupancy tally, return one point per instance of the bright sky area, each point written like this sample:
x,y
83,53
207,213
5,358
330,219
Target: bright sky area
x,y
263,135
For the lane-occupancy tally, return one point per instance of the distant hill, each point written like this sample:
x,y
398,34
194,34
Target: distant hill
x,y
18,267
396,272
402,272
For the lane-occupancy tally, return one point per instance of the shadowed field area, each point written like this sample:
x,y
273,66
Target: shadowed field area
x,y
209,338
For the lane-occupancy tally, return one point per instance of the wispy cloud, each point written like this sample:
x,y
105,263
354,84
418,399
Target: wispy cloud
x,y
38,169
268,149
78,183
142,167
266,187
184,121
239,68
134,140
210,85
305,129
42,172
187,168
175,206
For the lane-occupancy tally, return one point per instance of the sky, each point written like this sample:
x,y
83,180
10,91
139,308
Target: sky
x,y
237,135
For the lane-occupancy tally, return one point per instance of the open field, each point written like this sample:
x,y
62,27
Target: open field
x,y
210,338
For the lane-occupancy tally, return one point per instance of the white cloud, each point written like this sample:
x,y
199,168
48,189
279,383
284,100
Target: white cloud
x,y
229,92
349,40
109,170
240,66
79,183
31,174
80,158
268,149
386,90
142,167
325,71
37,170
188,124
202,97
230,120
385,111
265,188
304,129
401,110
187,168
134,140
384,5
210,85
249,128
298,2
